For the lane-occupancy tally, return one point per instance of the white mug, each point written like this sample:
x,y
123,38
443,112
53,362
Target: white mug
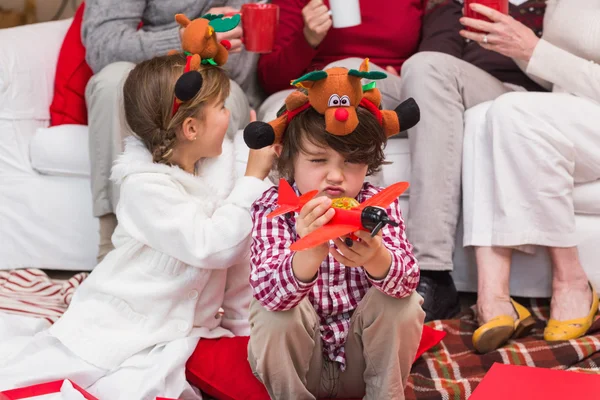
x,y
345,13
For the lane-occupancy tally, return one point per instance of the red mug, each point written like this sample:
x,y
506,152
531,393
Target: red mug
x,y
260,23
498,5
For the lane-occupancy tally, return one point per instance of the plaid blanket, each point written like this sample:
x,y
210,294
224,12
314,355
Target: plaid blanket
x,y
450,371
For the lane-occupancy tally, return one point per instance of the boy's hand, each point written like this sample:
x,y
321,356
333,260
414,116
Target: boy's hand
x,y
361,252
369,253
316,213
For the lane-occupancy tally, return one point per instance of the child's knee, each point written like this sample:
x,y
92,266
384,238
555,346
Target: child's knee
x,y
265,323
398,310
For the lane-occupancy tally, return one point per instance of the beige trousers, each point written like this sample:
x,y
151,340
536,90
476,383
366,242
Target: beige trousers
x,y
444,87
523,155
285,350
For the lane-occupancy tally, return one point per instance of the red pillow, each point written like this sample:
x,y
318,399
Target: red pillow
x,y
72,75
219,367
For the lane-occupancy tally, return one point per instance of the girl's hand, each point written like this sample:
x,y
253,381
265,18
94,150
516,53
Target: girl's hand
x,y
361,252
504,34
260,162
317,22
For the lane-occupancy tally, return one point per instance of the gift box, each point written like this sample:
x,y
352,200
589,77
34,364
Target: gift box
x,y
56,390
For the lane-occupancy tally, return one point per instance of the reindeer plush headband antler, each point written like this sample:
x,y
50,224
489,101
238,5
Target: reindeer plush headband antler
x,y
199,43
335,93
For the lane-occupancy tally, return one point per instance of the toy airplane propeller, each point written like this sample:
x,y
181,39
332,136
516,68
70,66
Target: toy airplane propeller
x,y
350,216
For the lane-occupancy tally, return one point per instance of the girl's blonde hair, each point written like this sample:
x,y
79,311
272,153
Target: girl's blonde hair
x,y
149,93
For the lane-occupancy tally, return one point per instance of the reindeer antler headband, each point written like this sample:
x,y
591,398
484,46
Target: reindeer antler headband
x,y
335,93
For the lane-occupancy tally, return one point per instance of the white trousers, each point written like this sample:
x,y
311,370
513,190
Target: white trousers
x,y
523,154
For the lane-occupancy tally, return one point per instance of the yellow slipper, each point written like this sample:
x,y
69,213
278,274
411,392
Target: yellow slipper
x,y
572,328
497,331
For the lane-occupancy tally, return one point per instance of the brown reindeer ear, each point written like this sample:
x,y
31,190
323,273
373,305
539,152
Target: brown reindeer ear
x,y
182,20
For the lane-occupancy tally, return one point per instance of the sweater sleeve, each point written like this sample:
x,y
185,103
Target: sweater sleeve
x,y
403,276
110,33
157,213
565,70
236,303
291,54
272,278
440,28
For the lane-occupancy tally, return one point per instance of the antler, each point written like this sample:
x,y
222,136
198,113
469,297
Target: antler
x,y
182,20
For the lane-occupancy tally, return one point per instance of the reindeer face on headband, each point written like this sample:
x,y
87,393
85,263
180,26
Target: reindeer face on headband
x,y
335,93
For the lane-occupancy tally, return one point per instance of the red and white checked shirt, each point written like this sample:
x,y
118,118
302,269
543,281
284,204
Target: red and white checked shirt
x,y
336,291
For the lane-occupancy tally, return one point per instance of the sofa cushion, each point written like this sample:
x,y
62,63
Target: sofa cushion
x,y
61,151
72,75
28,57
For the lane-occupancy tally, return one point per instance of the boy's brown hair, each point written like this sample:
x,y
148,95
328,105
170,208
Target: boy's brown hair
x,y
364,145
148,96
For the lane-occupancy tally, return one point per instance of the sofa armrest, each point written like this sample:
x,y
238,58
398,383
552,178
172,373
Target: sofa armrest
x,y
28,56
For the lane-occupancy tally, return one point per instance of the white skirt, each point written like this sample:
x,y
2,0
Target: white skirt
x,y
39,357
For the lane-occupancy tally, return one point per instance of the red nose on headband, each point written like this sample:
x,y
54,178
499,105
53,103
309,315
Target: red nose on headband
x,y
187,86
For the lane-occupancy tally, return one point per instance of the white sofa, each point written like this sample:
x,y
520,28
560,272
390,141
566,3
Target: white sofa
x,y
45,199
46,219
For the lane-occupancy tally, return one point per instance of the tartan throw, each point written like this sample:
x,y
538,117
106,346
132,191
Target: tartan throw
x,y
449,371
452,370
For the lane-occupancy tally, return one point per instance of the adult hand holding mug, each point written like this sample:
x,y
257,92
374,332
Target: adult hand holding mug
x,y
504,34
234,36
317,22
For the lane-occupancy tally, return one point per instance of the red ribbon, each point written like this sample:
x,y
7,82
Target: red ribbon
x,y
176,102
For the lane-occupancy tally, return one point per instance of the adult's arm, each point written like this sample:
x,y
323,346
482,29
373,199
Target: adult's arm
x,y
291,54
110,33
440,28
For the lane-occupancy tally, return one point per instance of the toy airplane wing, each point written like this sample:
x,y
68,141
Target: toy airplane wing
x,y
288,201
386,196
322,235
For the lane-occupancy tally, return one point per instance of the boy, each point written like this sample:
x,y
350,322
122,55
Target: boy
x,y
333,321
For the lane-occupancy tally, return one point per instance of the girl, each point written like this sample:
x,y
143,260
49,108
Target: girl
x,y
332,321
180,253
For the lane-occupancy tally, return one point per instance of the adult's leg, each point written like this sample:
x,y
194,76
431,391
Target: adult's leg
x,y
544,143
385,333
285,350
107,129
444,87
493,263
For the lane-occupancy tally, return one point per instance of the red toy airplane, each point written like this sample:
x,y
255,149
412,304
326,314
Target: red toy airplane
x,y
369,216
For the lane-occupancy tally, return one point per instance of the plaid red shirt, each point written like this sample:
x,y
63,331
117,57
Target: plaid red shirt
x,y
336,291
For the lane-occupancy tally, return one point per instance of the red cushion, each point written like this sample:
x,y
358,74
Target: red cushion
x,y
72,75
219,367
